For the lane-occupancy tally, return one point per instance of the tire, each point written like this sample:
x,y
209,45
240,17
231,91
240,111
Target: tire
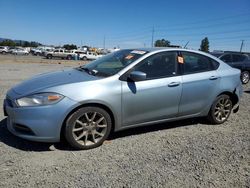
x,y
3,52
49,56
84,58
87,131
69,57
244,77
220,110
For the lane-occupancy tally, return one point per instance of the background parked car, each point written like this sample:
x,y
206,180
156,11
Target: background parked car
x,y
59,53
3,49
89,56
19,51
237,60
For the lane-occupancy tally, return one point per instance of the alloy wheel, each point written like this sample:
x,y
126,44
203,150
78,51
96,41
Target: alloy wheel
x,y
222,109
245,77
89,128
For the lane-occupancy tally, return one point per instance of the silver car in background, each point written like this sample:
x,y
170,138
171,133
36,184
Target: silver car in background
x,y
125,89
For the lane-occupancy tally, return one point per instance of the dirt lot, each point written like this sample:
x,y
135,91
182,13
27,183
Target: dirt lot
x,y
186,153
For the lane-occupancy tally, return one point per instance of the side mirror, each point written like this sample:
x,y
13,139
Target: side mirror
x,y
137,76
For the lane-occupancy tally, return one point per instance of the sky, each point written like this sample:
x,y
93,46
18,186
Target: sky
x,y
128,23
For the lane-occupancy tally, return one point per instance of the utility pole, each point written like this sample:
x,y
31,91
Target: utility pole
x,y
153,32
104,42
242,44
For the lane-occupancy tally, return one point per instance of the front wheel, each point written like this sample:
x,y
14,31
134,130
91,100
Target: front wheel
x,y
69,57
88,128
220,109
244,77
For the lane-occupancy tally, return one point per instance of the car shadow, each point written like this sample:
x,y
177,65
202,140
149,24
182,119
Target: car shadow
x,y
13,141
157,127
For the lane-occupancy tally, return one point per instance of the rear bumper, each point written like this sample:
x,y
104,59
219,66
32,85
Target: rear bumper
x,y
236,108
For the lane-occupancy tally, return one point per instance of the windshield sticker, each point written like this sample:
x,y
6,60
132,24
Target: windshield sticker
x,y
138,52
129,57
180,60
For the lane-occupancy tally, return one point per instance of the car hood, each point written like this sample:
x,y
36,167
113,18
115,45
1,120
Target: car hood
x,y
43,81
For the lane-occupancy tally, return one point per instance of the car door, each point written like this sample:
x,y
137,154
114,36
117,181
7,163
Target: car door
x,y
238,61
155,98
56,52
200,82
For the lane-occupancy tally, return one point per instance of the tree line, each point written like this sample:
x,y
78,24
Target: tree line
x,y
204,46
12,43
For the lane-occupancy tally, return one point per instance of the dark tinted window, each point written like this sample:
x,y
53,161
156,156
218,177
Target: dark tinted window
x,y
194,63
238,57
226,58
158,65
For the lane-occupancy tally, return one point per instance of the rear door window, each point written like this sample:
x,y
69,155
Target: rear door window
x,y
195,63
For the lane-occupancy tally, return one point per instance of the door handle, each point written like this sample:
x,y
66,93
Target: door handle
x,y
173,84
213,78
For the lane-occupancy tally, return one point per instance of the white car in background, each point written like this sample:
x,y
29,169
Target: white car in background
x,y
89,56
19,51
4,49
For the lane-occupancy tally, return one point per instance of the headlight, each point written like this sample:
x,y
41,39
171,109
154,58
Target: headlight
x,y
39,99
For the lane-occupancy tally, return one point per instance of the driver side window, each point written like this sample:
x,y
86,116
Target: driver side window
x,y
159,65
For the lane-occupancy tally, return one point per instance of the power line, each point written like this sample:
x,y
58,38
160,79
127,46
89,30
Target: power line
x,y
144,30
206,26
204,21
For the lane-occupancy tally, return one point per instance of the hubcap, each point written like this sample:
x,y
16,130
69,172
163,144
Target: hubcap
x,y
245,77
222,109
89,128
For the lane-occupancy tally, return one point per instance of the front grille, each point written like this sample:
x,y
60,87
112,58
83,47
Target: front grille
x,y
23,129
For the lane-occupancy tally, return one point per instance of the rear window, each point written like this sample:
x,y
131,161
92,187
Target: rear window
x,y
238,57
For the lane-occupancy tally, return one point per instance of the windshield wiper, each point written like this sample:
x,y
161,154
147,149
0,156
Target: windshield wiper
x,y
89,71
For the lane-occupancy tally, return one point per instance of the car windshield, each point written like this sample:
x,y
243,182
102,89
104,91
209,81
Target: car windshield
x,y
112,63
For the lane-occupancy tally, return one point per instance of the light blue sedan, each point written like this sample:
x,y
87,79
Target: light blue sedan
x,y
125,89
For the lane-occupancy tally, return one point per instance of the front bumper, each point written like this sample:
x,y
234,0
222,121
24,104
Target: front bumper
x,y
41,123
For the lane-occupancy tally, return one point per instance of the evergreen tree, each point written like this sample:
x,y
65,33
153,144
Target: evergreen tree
x,y
204,45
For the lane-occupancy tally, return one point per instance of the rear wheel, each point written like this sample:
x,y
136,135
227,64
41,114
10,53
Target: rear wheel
x,y
69,57
88,128
49,56
244,77
84,58
220,109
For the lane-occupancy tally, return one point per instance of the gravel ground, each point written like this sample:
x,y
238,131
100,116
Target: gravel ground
x,y
186,153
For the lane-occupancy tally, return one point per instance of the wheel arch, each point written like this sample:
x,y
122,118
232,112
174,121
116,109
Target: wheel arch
x,y
92,104
233,96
